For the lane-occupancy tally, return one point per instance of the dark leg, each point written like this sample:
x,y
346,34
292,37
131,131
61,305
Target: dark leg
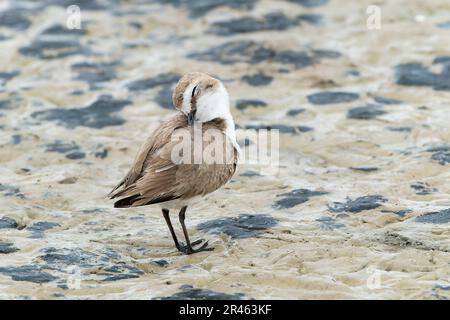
x,y
165,213
188,248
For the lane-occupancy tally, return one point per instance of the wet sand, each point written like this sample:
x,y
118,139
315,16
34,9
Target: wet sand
x,y
359,209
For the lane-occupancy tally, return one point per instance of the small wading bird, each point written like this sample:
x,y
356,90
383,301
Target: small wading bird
x,y
158,176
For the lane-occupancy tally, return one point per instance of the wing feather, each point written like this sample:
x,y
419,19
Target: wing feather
x,y
156,178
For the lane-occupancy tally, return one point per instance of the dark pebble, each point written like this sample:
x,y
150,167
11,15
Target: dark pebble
x,y
164,97
160,80
118,277
102,154
16,139
358,204
329,224
5,104
438,217
309,3
243,104
7,248
400,129
313,19
10,191
75,155
39,228
7,223
422,188
259,79
8,75
14,18
247,51
444,25
244,226
442,157
61,147
98,115
203,294
295,197
365,169
387,101
200,8
368,112
83,4
294,112
62,31
329,97
60,259
250,174
245,142
95,73
400,213
161,263
271,21
415,74
54,49
281,127
440,153
30,273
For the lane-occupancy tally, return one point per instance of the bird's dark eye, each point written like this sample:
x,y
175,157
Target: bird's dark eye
x,y
194,91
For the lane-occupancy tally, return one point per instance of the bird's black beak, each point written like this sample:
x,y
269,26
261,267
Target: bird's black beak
x,y
191,118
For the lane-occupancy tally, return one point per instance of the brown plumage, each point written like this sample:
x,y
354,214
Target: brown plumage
x,y
155,178
188,156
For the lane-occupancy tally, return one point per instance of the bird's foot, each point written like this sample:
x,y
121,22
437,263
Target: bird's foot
x,y
190,250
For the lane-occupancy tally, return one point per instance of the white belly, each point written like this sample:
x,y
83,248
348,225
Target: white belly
x,y
177,204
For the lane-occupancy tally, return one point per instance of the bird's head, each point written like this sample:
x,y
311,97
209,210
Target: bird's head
x,y
201,97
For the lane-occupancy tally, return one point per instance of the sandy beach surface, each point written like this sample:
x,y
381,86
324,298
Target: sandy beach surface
x,y
359,208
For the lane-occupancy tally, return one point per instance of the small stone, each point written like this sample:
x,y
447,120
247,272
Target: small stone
x,y
330,97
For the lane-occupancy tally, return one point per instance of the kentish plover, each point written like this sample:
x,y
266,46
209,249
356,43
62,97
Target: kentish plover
x,y
164,175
